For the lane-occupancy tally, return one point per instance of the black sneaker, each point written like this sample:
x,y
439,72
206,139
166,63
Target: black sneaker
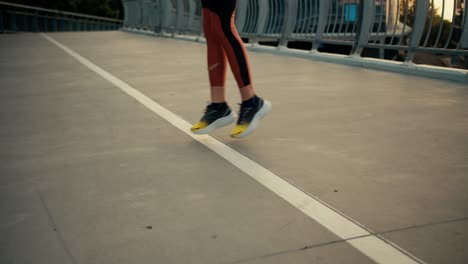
x,y
249,116
216,116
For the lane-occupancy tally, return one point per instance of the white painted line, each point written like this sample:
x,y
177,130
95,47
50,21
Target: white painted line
x,y
372,246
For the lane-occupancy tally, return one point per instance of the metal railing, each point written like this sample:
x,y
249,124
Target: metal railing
x,y
375,28
22,18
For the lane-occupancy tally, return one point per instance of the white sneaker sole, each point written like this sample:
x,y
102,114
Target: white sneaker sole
x,y
225,121
256,120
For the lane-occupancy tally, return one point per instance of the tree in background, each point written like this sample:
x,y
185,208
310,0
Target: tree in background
x,y
104,8
437,25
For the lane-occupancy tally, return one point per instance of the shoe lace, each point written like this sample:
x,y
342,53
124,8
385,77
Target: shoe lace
x,y
209,111
244,113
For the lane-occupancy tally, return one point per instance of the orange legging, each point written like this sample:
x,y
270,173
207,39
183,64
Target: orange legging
x,y
224,43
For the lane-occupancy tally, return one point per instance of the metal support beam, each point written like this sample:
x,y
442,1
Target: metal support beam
x,y
14,26
289,22
263,11
366,16
324,9
420,16
179,27
2,17
191,18
165,12
241,16
35,22
464,35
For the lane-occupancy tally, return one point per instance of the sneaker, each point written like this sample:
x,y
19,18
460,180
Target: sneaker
x,y
249,117
216,116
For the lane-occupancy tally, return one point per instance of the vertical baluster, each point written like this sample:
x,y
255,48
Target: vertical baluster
x,y
309,18
441,26
303,22
366,15
2,17
397,18
241,15
452,24
289,22
380,22
422,7
14,26
335,23
324,12
263,9
405,21
463,43
428,33
342,18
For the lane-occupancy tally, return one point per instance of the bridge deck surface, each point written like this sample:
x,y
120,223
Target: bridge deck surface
x,y
90,175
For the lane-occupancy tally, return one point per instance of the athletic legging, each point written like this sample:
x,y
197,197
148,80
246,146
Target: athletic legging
x,y
222,39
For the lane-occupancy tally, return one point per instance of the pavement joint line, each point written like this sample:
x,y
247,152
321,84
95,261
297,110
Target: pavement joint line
x,y
455,220
56,229
308,247
373,246
289,251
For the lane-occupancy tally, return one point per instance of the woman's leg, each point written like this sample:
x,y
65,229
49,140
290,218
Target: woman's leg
x,y
223,39
217,61
232,44
218,113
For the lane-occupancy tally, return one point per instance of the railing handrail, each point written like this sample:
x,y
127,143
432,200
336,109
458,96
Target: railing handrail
x,y
362,28
61,12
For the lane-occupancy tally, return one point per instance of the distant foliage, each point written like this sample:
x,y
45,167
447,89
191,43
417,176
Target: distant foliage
x,y
104,8
431,29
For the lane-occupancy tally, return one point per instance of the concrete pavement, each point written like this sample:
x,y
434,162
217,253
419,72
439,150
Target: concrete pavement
x,y
89,175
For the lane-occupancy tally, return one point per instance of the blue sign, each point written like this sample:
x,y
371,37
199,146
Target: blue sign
x,y
350,12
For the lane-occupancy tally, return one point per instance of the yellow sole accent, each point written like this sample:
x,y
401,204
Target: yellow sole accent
x,y
199,126
239,129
